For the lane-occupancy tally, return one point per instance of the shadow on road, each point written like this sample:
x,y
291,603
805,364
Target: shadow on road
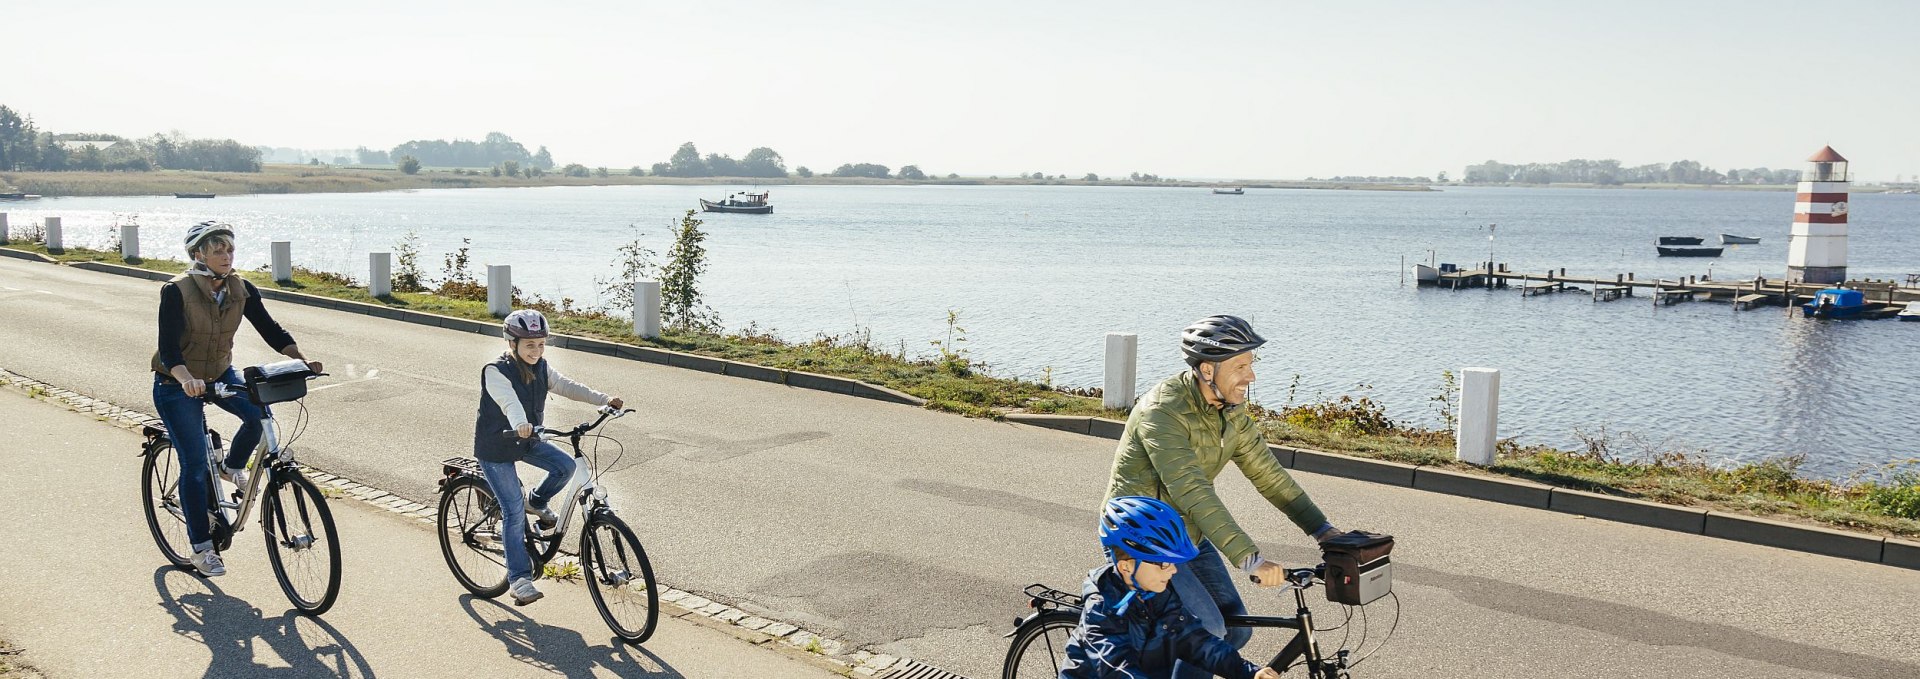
x,y
245,643
560,650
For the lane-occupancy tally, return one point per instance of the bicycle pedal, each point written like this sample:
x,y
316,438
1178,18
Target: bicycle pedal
x,y
229,504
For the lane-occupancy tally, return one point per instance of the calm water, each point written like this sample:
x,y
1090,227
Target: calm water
x,y
1040,274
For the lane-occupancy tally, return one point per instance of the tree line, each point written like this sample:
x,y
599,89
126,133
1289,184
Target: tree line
x,y
24,147
1610,172
496,150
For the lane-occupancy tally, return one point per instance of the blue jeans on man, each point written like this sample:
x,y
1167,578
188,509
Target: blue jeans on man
x,y
1207,592
186,420
504,480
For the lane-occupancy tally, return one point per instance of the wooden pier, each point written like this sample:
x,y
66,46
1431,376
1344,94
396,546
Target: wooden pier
x,y
1885,297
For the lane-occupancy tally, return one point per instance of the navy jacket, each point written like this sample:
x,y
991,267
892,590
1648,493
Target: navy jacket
x,y
488,444
1146,640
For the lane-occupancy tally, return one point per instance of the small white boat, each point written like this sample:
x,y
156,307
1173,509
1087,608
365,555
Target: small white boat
x,y
1425,275
1730,239
1231,191
1911,313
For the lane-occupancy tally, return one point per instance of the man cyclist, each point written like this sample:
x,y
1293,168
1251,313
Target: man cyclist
x,y
200,311
1178,438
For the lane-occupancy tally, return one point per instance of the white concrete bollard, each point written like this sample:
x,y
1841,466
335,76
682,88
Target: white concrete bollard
x,y
282,261
499,290
54,241
380,274
646,309
3,227
130,241
1479,416
1123,356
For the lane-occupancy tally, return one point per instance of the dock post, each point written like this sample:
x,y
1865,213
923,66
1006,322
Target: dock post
x,y
282,261
380,274
54,241
130,242
646,309
1123,353
3,228
1478,436
499,290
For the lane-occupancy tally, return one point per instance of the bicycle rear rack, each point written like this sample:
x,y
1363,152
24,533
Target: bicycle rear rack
x,y
1043,595
461,466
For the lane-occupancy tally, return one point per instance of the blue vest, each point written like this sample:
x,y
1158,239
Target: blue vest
x,y
488,444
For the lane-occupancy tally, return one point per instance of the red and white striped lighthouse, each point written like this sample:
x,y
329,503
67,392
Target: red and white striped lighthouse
x,y
1817,250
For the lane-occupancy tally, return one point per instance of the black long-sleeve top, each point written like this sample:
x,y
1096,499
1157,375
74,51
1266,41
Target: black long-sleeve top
x,y
173,323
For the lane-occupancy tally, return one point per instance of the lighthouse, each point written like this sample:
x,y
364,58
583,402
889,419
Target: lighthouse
x,y
1817,249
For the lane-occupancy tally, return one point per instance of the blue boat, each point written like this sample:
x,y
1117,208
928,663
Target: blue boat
x,y
1836,303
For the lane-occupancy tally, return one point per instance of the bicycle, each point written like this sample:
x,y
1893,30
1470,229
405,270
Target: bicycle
x,y
612,561
1039,638
294,519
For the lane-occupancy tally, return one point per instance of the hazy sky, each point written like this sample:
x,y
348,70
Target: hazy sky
x,y
1226,90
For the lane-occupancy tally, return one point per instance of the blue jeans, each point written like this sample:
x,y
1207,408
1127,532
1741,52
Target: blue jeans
x,y
1207,592
186,420
505,482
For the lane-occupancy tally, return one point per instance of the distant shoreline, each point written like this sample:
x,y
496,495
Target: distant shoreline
x,y
287,179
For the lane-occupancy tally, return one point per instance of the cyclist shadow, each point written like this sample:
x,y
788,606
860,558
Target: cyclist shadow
x,y
235,632
560,650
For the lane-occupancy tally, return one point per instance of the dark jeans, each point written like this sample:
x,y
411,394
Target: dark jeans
x,y
504,480
1206,590
186,421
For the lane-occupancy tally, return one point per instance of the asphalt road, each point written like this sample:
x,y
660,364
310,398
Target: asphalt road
x,y
911,532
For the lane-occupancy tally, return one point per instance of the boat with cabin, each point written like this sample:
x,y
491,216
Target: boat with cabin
x,y
1230,191
1836,303
740,202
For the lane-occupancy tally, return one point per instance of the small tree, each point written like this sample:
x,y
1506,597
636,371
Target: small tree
x,y
409,165
495,171
1091,177
803,171
406,275
636,264
680,280
574,170
636,171
599,172
511,167
912,172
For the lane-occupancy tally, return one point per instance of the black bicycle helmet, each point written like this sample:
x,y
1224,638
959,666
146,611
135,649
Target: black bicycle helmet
x,y
1218,338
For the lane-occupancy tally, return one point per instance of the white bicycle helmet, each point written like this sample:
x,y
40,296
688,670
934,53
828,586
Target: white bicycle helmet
x,y
525,324
204,230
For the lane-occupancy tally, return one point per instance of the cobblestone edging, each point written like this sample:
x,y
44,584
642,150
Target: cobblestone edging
x,y
836,655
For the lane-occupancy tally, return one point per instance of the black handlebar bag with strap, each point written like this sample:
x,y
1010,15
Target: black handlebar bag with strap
x,y
277,382
1359,567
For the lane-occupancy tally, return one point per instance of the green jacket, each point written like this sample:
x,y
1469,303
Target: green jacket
x,y
1175,444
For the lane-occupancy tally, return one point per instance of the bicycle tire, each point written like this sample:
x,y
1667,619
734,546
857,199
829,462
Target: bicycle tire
x,y
609,570
285,523
466,506
159,475
1039,629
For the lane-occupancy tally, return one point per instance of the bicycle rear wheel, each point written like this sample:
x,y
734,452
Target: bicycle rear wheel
x,y
470,537
160,499
619,577
1040,648
301,541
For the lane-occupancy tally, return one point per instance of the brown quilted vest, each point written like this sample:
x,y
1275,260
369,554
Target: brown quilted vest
x,y
207,344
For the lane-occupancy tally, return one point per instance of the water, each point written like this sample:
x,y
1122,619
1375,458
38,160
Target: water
x,y
1038,275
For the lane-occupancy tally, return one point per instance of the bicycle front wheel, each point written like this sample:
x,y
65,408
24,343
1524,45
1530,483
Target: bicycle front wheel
x,y
160,497
619,577
301,541
1040,648
470,537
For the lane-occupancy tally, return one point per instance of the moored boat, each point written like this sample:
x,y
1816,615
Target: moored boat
x,y
1689,251
1231,191
1911,313
193,195
740,203
1730,239
18,196
1681,240
1835,303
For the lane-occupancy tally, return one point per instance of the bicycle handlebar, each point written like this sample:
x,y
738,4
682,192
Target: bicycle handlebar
x,y
1300,577
605,413
217,389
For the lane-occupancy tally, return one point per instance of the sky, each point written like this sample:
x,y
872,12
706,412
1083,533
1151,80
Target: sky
x,y
1256,90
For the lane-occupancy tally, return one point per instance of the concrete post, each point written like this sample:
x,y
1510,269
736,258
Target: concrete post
x,y
499,290
282,261
380,274
130,241
54,241
646,309
3,227
1123,356
1479,415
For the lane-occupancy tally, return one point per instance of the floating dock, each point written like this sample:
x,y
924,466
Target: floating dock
x,y
1885,298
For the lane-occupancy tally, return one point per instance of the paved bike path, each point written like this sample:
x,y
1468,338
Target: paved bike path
x,y
911,532
88,594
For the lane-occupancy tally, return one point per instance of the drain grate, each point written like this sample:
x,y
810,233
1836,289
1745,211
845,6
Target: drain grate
x,y
914,669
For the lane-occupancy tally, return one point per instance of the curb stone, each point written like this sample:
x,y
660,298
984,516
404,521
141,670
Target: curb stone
x,y
833,652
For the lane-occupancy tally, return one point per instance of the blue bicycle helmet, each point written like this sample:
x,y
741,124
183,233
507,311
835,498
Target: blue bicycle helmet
x,y
1148,529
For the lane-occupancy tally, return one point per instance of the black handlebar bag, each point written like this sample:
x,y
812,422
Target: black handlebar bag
x,y
1359,567
277,382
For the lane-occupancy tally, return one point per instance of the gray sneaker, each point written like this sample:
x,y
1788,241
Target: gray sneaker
x,y
236,476
547,518
209,564
524,592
